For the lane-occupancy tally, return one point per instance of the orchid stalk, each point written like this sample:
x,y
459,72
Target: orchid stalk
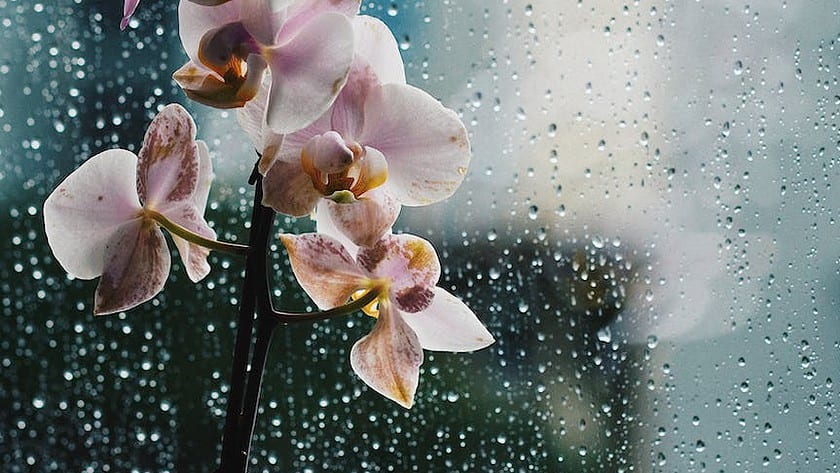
x,y
340,137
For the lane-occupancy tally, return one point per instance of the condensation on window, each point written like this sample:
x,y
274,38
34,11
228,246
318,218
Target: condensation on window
x,y
648,228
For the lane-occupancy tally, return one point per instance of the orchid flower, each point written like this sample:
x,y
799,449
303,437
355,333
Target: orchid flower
x,y
306,44
102,220
411,313
380,132
131,5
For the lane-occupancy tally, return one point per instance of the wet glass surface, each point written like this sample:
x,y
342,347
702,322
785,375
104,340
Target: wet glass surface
x,y
648,228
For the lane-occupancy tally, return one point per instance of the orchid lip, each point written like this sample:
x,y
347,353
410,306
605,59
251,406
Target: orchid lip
x,y
379,287
332,172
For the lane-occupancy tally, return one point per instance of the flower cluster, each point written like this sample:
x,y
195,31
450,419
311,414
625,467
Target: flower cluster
x,y
321,92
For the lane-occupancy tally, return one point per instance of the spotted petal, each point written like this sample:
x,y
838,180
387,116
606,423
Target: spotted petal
x,y
190,215
135,269
424,142
88,207
324,268
167,170
410,263
388,359
448,325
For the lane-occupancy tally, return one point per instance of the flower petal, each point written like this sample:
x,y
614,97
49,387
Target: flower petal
x,y
193,256
376,45
388,359
324,224
204,86
129,6
167,171
205,177
324,268
410,263
289,190
348,112
190,215
308,71
195,20
448,325
424,142
252,120
136,267
87,208
301,12
209,2
365,220
262,18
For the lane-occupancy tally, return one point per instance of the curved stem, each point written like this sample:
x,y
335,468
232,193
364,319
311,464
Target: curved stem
x,y
195,238
350,307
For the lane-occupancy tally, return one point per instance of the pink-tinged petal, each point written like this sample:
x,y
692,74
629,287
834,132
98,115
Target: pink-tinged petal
x,y
308,71
388,359
289,190
327,154
209,3
293,143
324,268
83,212
302,12
376,45
410,263
193,256
448,325
129,6
262,19
348,111
425,143
167,171
136,267
190,215
366,220
252,120
205,177
324,224
195,20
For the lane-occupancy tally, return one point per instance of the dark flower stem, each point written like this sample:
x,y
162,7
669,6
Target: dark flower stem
x,y
245,383
239,426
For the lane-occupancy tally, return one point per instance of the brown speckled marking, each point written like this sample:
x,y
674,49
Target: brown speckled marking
x,y
371,257
415,298
171,135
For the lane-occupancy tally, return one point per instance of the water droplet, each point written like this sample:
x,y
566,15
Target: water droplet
x,y
532,212
605,335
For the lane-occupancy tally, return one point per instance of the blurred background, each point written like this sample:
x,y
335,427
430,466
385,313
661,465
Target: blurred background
x,y
648,228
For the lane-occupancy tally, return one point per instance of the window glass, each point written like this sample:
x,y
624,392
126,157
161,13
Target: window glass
x,y
648,228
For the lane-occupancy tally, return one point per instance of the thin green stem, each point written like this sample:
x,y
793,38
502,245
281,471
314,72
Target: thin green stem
x,y
199,240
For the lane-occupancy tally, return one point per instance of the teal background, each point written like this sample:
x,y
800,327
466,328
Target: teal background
x,y
735,136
